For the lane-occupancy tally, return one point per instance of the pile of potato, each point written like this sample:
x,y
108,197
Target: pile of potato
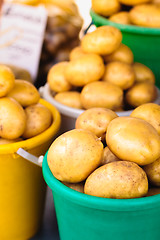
x,y
102,73
21,114
143,13
109,156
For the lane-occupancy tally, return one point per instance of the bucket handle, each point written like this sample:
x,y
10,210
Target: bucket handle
x,y
30,157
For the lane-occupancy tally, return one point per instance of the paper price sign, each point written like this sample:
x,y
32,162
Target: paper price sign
x,y
21,36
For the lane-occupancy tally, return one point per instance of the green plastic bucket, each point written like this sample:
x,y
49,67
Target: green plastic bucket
x,y
84,217
144,42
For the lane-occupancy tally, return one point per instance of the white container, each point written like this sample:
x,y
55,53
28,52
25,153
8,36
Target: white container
x,y
69,114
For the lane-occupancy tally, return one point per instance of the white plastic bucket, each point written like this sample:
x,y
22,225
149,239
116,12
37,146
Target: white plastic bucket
x,y
69,114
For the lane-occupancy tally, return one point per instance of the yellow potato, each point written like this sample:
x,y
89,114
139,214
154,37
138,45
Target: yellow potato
x,y
39,118
120,17
74,155
7,80
108,156
12,120
85,69
153,172
143,73
145,15
76,53
133,139
122,54
79,187
121,179
101,94
105,7
104,40
119,73
95,120
141,93
149,112
133,2
70,99
24,92
56,78
20,73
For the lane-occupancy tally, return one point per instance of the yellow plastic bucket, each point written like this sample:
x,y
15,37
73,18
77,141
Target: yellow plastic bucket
x,y
22,188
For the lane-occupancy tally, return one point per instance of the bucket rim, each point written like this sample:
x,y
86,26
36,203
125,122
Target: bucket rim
x,y
97,202
33,142
101,21
74,112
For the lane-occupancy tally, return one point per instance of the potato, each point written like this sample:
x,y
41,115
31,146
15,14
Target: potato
x,y
133,139
145,15
105,7
143,73
122,54
104,40
120,17
153,172
121,179
74,155
149,112
56,78
24,92
95,120
79,187
20,73
133,2
7,80
101,94
39,118
141,93
119,73
12,120
70,99
108,156
76,53
85,69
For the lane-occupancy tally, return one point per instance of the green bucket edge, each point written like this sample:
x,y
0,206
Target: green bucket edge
x,y
100,20
97,202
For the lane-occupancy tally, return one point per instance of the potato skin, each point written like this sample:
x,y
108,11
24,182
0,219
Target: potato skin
x,y
143,73
108,156
85,69
122,54
69,98
153,172
120,17
133,139
95,120
145,15
105,7
101,94
119,73
7,80
104,40
74,155
79,187
13,118
149,112
56,78
141,93
76,53
121,179
24,92
39,118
